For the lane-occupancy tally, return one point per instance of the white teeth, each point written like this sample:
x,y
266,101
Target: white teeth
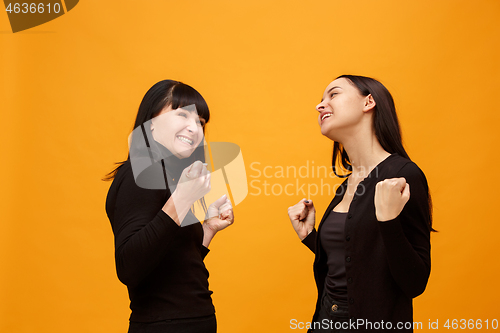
x,y
326,116
186,140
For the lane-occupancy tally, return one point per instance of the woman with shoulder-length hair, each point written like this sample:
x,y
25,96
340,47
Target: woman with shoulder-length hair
x,y
159,243
372,246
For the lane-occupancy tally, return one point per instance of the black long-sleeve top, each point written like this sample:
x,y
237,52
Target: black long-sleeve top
x,y
160,262
387,263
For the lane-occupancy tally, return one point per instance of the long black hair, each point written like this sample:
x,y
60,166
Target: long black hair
x,y
385,124
168,93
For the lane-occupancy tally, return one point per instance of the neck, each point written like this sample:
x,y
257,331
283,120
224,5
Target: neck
x,y
174,165
365,153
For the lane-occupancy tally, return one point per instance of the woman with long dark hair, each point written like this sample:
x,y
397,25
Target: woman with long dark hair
x,y
372,246
159,243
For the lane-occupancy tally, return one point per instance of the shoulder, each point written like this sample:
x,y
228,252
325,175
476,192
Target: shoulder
x,y
411,171
125,189
403,167
124,175
149,180
116,185
398,166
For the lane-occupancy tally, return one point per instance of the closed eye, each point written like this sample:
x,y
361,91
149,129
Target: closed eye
x,y
200,121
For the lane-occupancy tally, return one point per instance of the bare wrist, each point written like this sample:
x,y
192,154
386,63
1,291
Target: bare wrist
x,y
208,235
308,232
208,231
180,200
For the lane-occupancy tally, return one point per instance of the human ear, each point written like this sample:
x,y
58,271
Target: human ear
x,y
369,103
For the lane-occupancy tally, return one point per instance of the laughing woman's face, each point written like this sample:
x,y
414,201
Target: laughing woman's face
x,y
342,109
179,130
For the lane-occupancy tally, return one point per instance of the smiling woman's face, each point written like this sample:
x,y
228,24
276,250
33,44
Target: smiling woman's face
x,y
342,109
180,130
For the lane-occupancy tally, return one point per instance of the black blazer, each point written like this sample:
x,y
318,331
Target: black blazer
x,y
387,263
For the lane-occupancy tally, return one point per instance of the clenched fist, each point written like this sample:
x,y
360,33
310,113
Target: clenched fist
x,y
391,195
219,215
302,216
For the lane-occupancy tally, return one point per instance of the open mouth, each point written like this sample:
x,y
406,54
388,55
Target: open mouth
x,y
326,115
185,140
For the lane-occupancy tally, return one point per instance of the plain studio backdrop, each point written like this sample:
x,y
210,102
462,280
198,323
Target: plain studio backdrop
x,y
70,89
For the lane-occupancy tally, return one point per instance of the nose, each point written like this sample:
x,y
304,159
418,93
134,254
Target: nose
x,y
192,125
321,106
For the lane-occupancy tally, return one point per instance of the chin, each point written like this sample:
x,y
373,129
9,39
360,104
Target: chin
x,y
329,135
184,154
332,132
325,132
182,151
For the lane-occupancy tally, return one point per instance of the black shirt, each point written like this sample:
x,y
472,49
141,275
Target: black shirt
x,y
160,262
332,241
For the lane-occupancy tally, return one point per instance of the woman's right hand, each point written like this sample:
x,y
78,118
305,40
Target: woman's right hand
x,y
303,217
193,184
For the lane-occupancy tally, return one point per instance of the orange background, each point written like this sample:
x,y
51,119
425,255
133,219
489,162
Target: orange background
x,y
70,89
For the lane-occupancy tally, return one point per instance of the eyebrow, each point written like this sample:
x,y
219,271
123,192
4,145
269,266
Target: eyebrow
x,y
331,90
191,111
184,110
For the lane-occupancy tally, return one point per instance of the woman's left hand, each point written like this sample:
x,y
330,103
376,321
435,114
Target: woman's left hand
x,y
219,215
391,195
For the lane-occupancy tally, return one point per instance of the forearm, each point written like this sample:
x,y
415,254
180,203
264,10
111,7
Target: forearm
x,y
310,240
409,261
